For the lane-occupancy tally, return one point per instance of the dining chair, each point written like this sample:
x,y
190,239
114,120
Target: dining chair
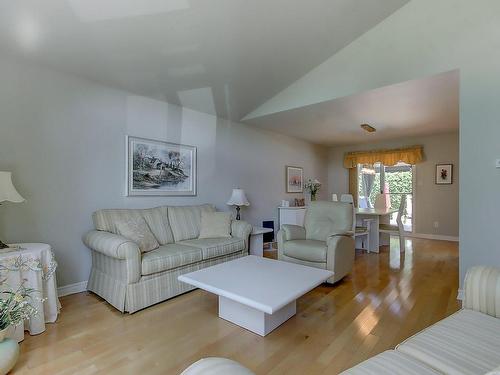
x,y
397,230
335,198
361,231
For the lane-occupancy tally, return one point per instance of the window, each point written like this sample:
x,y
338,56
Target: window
x,y
396,180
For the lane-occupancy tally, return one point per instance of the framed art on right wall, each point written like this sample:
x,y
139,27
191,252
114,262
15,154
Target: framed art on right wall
x,y
444,174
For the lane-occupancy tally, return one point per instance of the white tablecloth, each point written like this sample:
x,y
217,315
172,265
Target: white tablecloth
x,y
35,264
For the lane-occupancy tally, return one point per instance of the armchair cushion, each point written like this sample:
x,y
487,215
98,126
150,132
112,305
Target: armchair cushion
x,y
308,250
466,342
293,232
215,247
393,363
168,257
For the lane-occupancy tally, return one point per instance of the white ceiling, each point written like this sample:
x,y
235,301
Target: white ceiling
x,y
220,56
418,107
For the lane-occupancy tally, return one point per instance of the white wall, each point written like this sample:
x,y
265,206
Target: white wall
x,y
423,38
432,202
64,140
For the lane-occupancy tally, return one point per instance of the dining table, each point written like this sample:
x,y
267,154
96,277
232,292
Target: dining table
x,y
375,216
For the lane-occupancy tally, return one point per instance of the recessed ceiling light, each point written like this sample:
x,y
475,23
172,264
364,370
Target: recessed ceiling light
x,y
368,128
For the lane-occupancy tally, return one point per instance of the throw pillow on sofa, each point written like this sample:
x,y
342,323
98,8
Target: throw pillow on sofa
x,y
215,225
137,230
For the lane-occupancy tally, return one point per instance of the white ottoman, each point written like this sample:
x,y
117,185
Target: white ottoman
x,y
216,366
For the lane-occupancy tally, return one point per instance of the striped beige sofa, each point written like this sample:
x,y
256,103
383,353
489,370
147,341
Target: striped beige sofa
x,y
465,343
130,280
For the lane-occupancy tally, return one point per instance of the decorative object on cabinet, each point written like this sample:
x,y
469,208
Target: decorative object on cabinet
x,y
300,202
238,199
294,179
8,193
313,187
444,174
160,168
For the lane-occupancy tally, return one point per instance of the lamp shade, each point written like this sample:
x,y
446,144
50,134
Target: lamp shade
x,y
8,192
238,198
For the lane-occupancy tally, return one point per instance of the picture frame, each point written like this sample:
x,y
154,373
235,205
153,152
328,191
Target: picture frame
x,y
444,174
160,168
294,179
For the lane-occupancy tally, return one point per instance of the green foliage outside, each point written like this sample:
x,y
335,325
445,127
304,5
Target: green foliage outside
x,y
399,183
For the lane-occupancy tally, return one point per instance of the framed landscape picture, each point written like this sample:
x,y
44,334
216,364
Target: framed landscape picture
x,y
444,174
294,179
160,168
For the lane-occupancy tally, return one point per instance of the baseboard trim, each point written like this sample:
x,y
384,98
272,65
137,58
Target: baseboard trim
x,y
460,295
438,237
66,290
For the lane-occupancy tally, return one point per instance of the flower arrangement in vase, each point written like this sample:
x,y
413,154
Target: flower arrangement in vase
x,y
313,187
15,307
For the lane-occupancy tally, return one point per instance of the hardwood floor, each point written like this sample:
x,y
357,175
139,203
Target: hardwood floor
x,y
387,298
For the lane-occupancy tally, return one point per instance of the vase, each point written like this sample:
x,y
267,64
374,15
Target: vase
x,y
313,197
9,352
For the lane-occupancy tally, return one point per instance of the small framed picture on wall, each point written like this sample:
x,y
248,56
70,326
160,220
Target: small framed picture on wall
x,y
444,174
294,179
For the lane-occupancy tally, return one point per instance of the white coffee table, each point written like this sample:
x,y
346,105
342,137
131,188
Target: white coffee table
x,y
256,293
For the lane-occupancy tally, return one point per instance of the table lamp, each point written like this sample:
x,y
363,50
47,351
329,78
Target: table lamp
x,y
238,199
8,193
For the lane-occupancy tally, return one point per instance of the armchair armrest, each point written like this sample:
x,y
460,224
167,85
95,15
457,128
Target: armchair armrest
x,y
241,229
293,232
344,233
482,290
340,254
112,245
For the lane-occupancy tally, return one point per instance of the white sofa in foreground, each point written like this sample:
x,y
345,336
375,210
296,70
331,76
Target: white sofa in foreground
x,y
465,343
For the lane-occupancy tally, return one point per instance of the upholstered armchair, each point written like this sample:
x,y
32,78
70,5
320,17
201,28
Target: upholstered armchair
x,y
325,241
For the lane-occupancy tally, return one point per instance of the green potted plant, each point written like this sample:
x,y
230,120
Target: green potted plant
x,y
15,307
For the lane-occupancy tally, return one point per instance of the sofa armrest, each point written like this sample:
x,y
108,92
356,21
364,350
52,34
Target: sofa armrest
x,y
112,245
293,232
482,290
241,229
124,254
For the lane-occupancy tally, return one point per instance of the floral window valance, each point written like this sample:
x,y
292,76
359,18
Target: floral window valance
x,y
409,155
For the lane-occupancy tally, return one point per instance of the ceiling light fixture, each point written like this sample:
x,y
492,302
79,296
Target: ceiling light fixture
x,y
368,128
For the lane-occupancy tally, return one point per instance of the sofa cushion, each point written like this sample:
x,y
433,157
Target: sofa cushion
x,y
391,362
185,220
215,224
309,250
156,218
138,231
168,257
215,247
467,342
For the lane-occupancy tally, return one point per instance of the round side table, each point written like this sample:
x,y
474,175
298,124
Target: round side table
x,y
34,265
